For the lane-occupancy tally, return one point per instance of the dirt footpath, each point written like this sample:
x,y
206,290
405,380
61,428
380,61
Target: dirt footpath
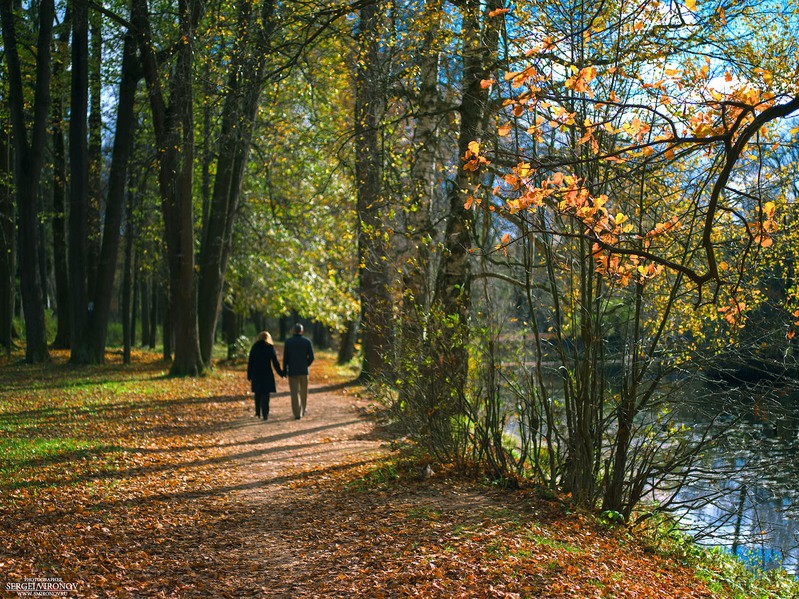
x,y
277,467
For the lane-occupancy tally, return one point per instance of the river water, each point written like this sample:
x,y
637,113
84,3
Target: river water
x,y
746,498
744,494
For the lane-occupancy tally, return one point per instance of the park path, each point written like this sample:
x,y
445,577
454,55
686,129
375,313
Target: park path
x,y
278,470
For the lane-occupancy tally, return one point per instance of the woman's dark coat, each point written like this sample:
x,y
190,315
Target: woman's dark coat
x,y
259,367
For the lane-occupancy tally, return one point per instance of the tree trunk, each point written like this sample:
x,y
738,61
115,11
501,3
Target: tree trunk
x,y
8,251
346,349
156,297
60,266
127,287
230,326
95,164
376,306
134,307
320,335
79,185
416,257
238,115
41,237
167,326
115,203
424,175
174,132
28,161
446,373
144,305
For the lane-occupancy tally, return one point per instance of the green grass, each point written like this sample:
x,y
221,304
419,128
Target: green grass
x,y
59,422
26,451
554,544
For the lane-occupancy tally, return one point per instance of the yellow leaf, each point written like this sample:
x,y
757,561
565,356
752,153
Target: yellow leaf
x,y
498,11
690,5
504,129
524,170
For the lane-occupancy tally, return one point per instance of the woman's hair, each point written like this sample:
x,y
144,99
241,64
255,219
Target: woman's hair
x,y
265,336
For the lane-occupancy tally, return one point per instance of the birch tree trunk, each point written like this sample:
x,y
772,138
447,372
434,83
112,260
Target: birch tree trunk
x,y
448,366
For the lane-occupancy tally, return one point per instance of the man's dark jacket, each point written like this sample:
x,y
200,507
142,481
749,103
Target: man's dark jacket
x,y
297,355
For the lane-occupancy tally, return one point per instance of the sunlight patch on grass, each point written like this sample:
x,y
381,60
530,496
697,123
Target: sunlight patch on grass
x,y
22,451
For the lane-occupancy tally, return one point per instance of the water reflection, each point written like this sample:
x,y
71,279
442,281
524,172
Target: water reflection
x,y
746,495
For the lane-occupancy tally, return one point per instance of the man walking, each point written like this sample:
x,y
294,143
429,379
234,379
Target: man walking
x,y
297,357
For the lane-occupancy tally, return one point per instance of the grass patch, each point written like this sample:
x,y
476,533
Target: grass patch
x,y
555,544
23,452
379,476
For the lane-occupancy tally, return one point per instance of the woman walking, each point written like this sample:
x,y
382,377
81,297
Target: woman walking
x,y
259,372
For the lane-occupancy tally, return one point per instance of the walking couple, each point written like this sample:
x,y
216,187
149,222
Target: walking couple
x,y
297,357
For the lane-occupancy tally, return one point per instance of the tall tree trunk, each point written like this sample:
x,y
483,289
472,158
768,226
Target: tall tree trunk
x,y
244,87
424,168
60,266
127,287
79,185
95,162
208,148
41,238
376,306
8,242
230,326
115,202
62,337
28,161
417,255
174,132
451,306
